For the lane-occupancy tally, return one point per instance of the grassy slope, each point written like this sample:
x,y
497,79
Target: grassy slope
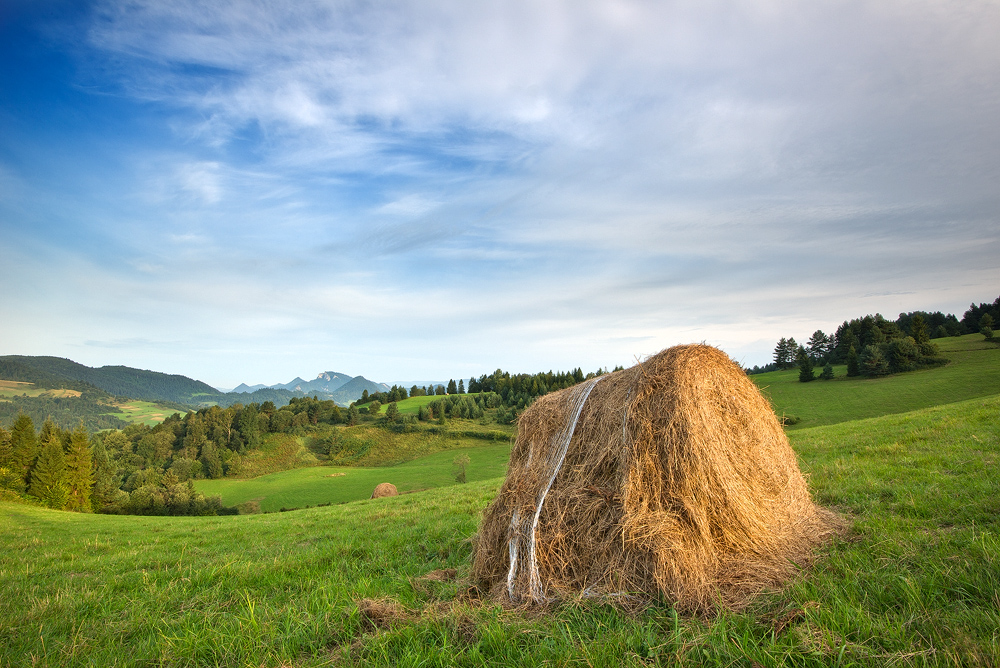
x,y
917,584
316,485
974,371
147,412
412,405
372,454
371,445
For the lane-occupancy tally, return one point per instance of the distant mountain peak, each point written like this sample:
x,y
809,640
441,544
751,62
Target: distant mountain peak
x,y
333,375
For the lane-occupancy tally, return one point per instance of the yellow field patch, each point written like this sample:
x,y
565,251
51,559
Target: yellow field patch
x,y
14,385
62,393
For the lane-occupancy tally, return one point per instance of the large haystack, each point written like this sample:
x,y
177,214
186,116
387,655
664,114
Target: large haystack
x,y
677,480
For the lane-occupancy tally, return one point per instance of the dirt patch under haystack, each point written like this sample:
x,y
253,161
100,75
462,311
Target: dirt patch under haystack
x,y
677,480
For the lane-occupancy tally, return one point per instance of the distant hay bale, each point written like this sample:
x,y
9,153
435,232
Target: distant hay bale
x,y
677,480
384,489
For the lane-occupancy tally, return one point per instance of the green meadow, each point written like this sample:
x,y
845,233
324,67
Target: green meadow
x,y
317,485
973,371
916,582
412,405
146,412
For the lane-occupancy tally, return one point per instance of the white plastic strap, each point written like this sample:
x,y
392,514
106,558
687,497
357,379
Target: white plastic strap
x,y
560,443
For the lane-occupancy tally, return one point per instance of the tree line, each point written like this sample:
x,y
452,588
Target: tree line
x,y
72,470
874,346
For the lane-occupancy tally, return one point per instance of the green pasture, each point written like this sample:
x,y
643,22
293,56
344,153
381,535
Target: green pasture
x,y
915,583
379,445
146,412
412,405
973,371
338,484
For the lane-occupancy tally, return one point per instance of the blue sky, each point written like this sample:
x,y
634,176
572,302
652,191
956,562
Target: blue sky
x,y
253,191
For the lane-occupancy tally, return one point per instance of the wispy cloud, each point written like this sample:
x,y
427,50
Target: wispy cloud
x,y
526,184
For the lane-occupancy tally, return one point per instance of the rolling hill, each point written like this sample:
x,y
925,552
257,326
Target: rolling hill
x,y
172,389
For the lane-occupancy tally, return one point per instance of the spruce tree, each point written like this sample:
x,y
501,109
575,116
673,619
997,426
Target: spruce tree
x,y
48,430
452,388
805,366
461,386
793,348
106,483
48,477
79,472
853,365
918,330
827,372
8,477
782,354
25,451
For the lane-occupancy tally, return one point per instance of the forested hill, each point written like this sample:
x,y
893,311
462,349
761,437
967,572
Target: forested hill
x,y
120,381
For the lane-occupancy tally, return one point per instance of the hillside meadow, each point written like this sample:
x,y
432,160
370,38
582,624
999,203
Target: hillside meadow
x,y
917,582
317,485
973,370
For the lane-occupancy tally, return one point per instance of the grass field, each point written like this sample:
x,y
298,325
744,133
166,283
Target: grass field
x,y
915,583
325,484
412,405
973,371
147,412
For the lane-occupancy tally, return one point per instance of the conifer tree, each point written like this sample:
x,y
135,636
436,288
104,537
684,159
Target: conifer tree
x,y
818,345
781,353
25,451
106,484
79,472
352,415
48,430
8,477
392,411
805,366
853,365
461,386
827,372
918,329
48,477
452,388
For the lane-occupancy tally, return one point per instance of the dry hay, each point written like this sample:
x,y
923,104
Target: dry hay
x,y
381,613
441,575
384,489
677,481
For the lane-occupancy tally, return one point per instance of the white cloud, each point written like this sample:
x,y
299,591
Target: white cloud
x,y
562,181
